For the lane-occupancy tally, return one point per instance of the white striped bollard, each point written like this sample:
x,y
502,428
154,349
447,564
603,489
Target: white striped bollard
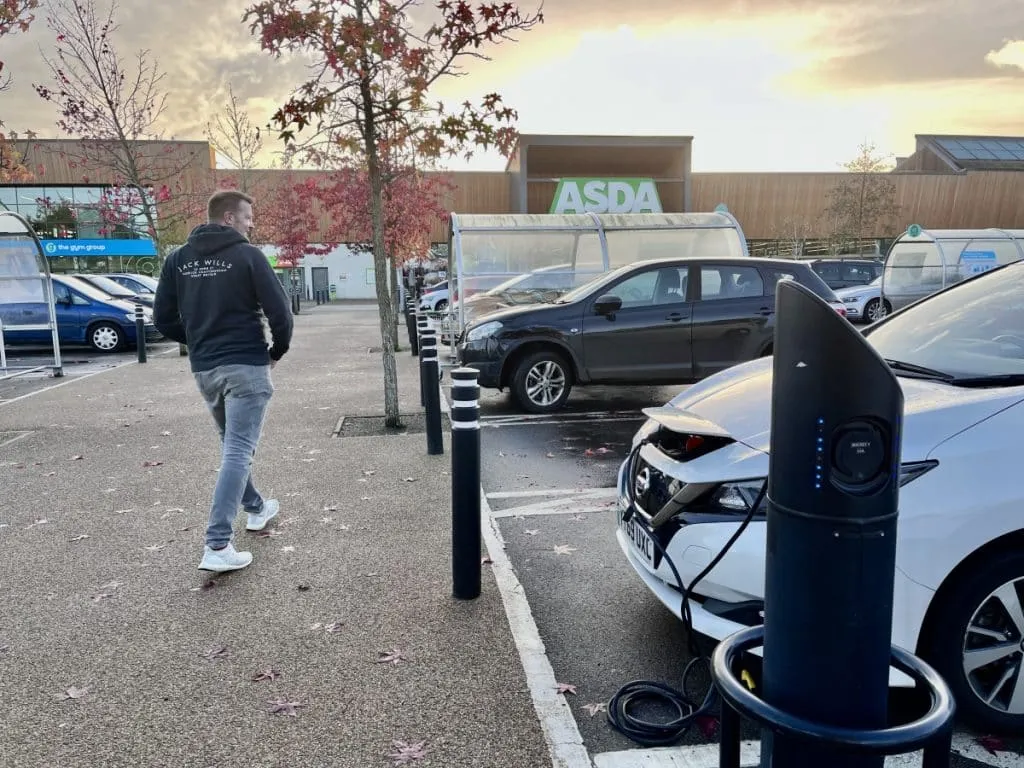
x,y
429,370
421,326
466,523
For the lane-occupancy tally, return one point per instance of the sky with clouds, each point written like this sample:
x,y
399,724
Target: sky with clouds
x,y
761,85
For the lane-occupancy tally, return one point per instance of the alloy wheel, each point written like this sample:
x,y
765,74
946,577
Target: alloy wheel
x,y
876,311
545,383
993,649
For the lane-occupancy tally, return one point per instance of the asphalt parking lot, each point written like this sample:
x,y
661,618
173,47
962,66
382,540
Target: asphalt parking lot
x,y
549,485
77,362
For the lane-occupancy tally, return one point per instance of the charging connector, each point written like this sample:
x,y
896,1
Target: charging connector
x,y
652,734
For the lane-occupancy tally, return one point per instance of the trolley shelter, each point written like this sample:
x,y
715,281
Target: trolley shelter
x,y
540,255
921,261
26,293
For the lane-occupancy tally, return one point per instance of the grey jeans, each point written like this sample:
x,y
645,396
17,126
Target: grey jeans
x,y
237,396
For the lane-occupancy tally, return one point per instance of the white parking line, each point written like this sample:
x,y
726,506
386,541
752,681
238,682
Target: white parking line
x,y
540,492
706,756
599,500
565,744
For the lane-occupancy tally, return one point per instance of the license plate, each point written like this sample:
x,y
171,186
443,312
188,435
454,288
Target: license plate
x,y
639,539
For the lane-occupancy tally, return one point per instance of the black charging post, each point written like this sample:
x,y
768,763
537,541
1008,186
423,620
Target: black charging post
x,y
833,487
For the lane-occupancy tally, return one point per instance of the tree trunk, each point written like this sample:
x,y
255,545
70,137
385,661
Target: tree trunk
x,y
386,309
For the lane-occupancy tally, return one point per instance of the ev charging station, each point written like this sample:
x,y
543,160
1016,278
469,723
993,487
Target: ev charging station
x,y
833,491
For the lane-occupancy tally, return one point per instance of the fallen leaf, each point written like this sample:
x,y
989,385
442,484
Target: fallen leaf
x,y
369,472
111,585
589,453
334,627
77,458
154,547
326,520
485,560
281,706
269,533
563,549
410,480
101,596
394,656
602,451
992,744
304,587
365,498
314,451
331,508
266,674
165,434
371,574
576,517
288,549
217,652
152,463
74,693
531,531
316,627
565,688
80,537
708,725
593,709
343,527
551,455
43,521
4,648
406,752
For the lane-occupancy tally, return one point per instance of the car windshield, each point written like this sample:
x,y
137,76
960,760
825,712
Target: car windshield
x,y
146,280
107,285
83,287
973,331
587,287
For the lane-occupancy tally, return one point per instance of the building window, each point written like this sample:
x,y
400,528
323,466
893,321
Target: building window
x,y
79,212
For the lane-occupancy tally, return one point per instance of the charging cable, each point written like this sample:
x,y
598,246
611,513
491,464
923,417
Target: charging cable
x,y
656,734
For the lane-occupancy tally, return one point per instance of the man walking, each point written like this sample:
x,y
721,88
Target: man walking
x,y
209,297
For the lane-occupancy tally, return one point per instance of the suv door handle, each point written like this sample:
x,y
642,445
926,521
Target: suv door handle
x,y
765,311
675,317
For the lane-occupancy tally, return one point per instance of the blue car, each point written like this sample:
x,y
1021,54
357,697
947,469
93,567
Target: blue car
x,y
85,315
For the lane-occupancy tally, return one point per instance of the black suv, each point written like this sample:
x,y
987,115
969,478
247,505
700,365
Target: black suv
x,y
847,273
664,321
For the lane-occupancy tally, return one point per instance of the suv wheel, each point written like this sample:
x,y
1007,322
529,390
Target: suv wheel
x,y
977,643
542,381
875,310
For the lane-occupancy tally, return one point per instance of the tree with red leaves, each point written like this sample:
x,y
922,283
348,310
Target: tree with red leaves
x,y
113,107
370,100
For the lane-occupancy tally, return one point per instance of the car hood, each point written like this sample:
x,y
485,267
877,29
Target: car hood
x,y
738,401
858,291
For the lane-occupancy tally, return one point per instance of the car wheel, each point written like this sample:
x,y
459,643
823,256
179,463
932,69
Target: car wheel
x,y
542,381
106,337
441,306
875,310
977,643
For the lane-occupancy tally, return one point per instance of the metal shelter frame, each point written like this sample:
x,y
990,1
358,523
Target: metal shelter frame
x,y
463,226
22,263
947,256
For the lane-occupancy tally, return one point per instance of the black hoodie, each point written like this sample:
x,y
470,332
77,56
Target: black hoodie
x,y
209,297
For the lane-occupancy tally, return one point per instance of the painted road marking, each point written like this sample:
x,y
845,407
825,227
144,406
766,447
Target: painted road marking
x,y
540,492
599,500
706,756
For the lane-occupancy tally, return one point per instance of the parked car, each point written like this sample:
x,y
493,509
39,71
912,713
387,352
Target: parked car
x,y
847,273
85,315
865,302
661,321
959,591
143,285
434,298
541,286
114,289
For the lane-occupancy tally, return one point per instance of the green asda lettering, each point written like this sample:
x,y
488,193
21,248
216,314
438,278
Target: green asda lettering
x,y
606,196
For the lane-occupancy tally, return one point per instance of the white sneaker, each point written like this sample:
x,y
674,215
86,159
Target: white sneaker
x,y
258,521
227,559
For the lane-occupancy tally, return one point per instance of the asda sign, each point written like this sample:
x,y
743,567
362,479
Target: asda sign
x,y
606,196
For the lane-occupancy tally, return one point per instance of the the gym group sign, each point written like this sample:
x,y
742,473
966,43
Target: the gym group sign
x,y
606,196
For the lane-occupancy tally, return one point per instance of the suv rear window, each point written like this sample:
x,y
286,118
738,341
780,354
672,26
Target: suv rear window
x,y
803,275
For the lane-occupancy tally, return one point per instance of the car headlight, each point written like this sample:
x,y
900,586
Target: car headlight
x,y
851,299
483,331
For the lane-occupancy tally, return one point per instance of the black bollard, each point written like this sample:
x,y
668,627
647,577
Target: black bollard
x,y
466,533
410,324
140,332
421,326
833,487
430,370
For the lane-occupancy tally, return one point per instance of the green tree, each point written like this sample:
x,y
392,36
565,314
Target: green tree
x,y
862,207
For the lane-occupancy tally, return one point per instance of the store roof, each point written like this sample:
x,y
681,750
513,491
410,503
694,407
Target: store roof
x,y
975,153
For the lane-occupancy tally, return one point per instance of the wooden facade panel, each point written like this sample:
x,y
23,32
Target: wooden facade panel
x,y
769,204
656,162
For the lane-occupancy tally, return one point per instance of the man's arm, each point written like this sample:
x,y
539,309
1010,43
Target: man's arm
x,y
166,314
271,296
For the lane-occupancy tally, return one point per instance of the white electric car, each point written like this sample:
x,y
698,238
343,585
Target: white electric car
x,y
959,591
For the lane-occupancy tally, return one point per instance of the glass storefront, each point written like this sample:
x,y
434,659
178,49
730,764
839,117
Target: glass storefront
x,y
86,228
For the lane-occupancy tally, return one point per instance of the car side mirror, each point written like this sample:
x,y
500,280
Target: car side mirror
x,y
607,304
